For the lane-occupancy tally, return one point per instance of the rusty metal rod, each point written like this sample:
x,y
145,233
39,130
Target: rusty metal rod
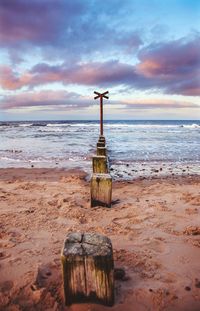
x,y
101,115
99,95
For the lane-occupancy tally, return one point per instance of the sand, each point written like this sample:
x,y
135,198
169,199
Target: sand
x,y
154,226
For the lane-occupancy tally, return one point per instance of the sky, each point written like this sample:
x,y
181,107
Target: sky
x,y
55,53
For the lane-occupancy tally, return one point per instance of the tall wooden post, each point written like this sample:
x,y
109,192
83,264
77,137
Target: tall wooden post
x,y
101,96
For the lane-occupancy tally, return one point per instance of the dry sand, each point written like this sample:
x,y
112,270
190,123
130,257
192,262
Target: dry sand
x,y
154,226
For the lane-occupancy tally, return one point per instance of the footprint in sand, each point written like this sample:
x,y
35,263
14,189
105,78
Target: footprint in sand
x,y
126,220
170,277
196,242
6,286
120,221
7,244
10,239
157,246
16,260
192,199
46,274
4,255
191,211
192,230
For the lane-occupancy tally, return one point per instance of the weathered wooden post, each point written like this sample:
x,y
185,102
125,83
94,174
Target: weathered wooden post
x,y
101,190
99,164
102,139
102,151
101,181
88,269
100,144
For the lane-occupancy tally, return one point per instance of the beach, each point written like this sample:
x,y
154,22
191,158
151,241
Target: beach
x,y
153,225
99,155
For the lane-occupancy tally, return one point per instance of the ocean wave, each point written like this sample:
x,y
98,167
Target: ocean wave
x,y
16,124
4,124
119,126
193,126
58,124
38,160
51,129
49,134
72,124
39,124
65,129
10,159
11,150
77,158
25,124
85,124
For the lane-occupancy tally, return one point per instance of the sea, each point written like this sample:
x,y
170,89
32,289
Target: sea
x,y
136,149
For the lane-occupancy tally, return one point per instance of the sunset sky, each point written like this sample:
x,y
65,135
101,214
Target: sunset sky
x,y
55,53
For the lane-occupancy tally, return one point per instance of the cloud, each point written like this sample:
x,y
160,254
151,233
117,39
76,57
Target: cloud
x,y
171,68
36,22
130,41
174,66
9,80
106,73
63,28
158,104
63,100
47,98
172,58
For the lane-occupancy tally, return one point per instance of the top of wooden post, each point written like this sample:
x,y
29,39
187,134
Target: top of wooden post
x,y
101,96
87,244
104,95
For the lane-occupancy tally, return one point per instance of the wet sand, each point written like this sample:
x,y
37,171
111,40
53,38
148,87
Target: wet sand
x,y
154,226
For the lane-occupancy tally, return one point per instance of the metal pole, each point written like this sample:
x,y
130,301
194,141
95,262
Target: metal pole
x,y
99,95
101,115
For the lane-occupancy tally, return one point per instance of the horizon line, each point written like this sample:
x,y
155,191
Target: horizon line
x,y
97,120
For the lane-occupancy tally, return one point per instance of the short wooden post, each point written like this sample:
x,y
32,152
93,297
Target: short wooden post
x,y
101,144
88,269
99,164
101,151
101,190
102,139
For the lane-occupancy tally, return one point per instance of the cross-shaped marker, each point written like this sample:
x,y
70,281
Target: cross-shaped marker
x,y
101,96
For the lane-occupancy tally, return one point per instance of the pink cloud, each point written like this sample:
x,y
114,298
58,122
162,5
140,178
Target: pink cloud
x,y
111,72
156,103
172,68
175,64
63,100
45,98
10,81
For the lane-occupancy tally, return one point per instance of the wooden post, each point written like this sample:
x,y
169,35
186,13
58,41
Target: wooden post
x,y
102,139
101,151
99,164
101,144
101,190
87,261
